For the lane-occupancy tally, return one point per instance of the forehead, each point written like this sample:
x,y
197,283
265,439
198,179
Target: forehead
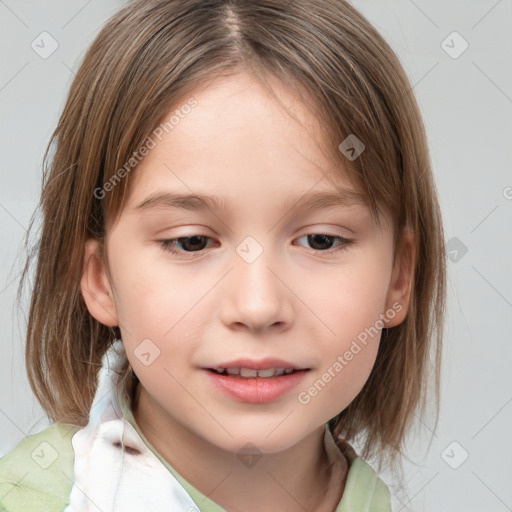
x,y
240,141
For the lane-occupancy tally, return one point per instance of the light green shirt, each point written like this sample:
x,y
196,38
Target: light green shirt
x,y
38,474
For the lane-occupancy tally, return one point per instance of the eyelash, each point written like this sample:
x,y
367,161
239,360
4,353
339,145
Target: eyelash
x,y
168,245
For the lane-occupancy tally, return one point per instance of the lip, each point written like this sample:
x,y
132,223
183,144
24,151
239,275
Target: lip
x,y
255,390
262,364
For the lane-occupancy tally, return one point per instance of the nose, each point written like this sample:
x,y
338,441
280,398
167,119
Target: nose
x,y
255,296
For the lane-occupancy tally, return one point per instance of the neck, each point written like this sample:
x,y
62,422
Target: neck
x,y
294,480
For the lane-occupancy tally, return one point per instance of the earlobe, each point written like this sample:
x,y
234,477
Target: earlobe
x,y
402,281
95,286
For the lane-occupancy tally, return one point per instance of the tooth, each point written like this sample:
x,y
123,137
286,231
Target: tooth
x,y
267,373
248,372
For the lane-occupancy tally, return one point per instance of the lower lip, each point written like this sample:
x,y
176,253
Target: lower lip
x,y
256,390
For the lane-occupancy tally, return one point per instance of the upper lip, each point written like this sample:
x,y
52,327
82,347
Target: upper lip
x,y
262,364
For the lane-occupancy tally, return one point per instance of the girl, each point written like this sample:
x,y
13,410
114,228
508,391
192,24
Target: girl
x,y
240,269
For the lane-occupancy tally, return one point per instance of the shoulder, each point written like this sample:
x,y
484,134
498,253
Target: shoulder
x,y
38,473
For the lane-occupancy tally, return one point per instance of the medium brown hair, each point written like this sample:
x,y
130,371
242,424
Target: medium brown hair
x,y
153,53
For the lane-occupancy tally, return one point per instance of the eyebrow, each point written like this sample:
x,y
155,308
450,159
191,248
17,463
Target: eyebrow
x,y
200,202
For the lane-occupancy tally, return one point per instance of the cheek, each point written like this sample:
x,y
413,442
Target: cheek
x,y
349,303
351,297
342,379
148,294
163,305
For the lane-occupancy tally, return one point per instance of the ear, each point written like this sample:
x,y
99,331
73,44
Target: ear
x,y
95,285
402,279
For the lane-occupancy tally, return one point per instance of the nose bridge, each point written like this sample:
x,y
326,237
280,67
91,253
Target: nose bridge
x,y
256,296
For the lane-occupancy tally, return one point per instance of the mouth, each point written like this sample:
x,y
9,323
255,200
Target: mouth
x,y
251,373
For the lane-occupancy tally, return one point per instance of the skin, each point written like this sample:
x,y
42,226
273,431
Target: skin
x,y
200,308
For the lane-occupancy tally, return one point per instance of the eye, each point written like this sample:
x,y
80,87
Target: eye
x,y
193,243
321,242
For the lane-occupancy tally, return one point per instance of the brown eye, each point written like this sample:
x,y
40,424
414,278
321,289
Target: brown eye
x,y
192,243
185,244
322,242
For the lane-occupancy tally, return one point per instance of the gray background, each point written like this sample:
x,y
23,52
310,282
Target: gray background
x,y
466,100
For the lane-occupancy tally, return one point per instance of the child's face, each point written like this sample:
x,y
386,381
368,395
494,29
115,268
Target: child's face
x,y
257,286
